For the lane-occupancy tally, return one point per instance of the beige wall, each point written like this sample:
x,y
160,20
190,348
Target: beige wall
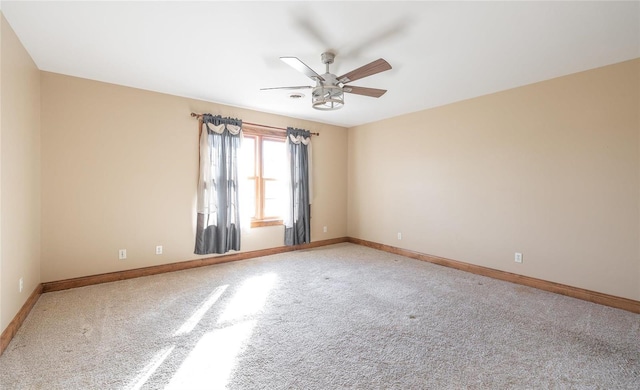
x,y
19,175
119,168
550,170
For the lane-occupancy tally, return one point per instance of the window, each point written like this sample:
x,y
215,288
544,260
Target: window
x,y
264,168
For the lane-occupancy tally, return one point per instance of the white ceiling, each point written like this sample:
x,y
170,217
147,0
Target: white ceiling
x,y
224,52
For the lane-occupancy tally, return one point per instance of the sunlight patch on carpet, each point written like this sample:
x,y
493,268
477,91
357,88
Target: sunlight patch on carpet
x,y
197,315
250,298
211,361
149,369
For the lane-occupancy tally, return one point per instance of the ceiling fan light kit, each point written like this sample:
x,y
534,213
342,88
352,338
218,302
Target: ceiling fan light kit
x,y
328,94
327,97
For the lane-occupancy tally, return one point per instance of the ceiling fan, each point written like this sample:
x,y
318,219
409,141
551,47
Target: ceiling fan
x,y
328,93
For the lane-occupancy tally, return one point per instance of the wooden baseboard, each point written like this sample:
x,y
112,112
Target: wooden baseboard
x,y
19,318
160,269
574,292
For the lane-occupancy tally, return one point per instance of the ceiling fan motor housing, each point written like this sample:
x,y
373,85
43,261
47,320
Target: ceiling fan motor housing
x,y
329,79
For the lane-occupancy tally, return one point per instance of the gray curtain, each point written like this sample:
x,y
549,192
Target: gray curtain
x,y
297,222
218,224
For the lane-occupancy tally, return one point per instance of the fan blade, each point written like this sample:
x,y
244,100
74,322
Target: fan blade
x,y
373,92
371,68
301,67
298,87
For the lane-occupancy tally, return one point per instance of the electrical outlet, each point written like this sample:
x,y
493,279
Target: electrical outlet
x,y
21,284
122,254
399,236
159,250
324,229
518,257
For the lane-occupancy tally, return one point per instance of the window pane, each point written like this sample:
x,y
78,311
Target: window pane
x,y
274,198
274,159
248,157
248,198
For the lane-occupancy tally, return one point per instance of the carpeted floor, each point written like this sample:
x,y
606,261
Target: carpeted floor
x,y
343,316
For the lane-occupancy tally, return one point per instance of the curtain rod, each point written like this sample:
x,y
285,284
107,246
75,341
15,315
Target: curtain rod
x,y
199,116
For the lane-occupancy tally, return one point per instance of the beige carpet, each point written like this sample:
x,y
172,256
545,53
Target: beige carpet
x,y
343,316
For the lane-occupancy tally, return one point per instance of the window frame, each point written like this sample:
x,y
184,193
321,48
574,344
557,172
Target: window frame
x,y
259,135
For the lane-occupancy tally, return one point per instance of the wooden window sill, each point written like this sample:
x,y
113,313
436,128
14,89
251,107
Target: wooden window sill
x,y
266,222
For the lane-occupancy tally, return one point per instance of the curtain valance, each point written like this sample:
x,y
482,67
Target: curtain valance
x,y
218,124
298,136
218,120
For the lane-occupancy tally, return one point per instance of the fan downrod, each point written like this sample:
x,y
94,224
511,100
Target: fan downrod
x,y
327,58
